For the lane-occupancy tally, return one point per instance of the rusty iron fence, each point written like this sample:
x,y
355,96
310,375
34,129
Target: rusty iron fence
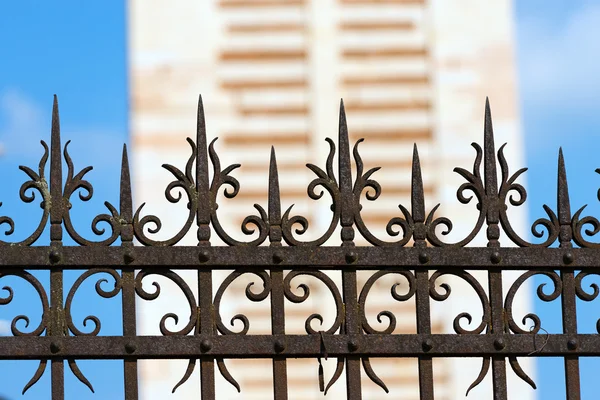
x,y
420,255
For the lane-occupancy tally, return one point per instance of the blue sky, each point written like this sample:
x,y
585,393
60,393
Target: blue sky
x,y
78,50
558,62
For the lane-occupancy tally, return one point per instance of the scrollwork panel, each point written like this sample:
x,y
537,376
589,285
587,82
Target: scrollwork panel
x,y
548,288
92,302
314,302
171,299
587,291
471,309
234,312
388,297
19,289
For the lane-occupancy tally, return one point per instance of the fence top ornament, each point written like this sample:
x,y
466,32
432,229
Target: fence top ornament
x,y
346,196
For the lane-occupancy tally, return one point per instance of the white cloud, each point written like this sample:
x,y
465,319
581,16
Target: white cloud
x,y
25,123
22,127
560,62
4,327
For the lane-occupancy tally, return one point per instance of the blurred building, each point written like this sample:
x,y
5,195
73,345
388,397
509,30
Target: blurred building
x,y
271,72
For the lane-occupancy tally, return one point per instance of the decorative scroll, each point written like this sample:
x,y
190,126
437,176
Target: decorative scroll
x,y
185,289
222,178
300,298
37,182
583,294
75,183
105,294
327,181
252,296
492,200
184,181
412,287
547,297
39,288
441,296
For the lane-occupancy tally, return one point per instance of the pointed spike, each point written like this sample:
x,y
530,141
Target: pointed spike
x,y
564,206
275,233
274,196
126,207
79,375
56,211
202,186
489,168
417,193
490,180
227,375
563,203
345,178
344,153
36,376
55,157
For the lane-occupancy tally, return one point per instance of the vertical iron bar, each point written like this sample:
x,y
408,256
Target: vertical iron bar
x,y
426,388
277,298
569,317
492,205
498,362
280,389
207,365
353,375
128,280
568,299
57,323
205,289
58,365
352,325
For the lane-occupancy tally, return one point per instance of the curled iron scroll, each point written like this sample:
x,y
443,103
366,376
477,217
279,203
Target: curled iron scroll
x,y
412,288
45,316
537,324
467,277
181,284
252,296
475,185
583,294
37,182
74,183
373,191
184,181
550,225
300,298
547,297
104,293
222,178
588,225
39,288
328,182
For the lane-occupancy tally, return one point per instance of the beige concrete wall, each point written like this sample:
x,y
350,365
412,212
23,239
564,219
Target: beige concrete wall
x,y
272,73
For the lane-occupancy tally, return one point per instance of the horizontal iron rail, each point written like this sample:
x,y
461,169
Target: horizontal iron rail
x,y
300,346
194,257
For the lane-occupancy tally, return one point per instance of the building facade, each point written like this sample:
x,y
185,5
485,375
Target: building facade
x,y
271,72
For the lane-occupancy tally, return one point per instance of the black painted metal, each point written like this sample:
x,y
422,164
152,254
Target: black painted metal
x,y
351,339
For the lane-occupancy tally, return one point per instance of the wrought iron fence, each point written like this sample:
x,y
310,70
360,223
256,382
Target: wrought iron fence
x,y
420,255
